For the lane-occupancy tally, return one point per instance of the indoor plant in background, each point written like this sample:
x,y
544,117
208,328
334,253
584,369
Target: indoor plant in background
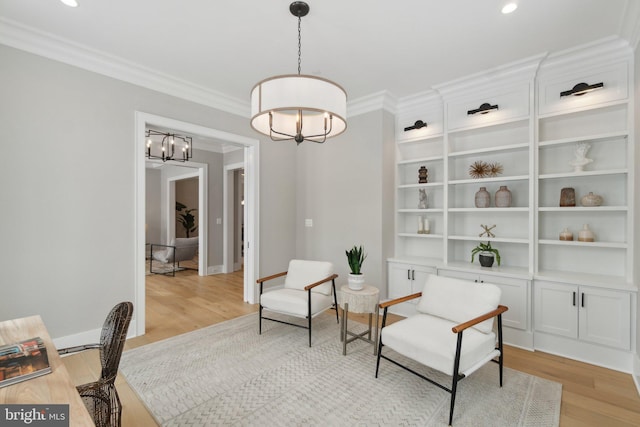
x,y
486,254
186,218
356,257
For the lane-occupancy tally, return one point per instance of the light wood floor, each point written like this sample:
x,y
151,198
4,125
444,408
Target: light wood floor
x,y
591,396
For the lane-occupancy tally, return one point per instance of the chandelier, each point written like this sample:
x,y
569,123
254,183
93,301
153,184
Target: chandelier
x,y
163,145
298,107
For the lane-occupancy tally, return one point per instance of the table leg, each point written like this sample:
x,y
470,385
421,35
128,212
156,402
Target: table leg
x,y
369,335
345,316
375,341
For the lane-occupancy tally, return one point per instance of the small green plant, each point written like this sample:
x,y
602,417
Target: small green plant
x,y
356,257
485,247
186,218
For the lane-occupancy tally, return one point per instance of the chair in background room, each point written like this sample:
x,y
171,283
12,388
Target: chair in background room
x,y
433,337
101,397
306,293
180,249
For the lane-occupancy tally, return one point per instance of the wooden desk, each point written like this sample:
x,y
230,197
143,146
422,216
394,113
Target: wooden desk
x,y
55,387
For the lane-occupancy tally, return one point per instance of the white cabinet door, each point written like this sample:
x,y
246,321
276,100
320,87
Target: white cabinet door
x,y
556,308
605,317
406,279
514,295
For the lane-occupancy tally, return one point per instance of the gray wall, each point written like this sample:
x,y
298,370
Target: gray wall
x,y
153,208
67,222
342,185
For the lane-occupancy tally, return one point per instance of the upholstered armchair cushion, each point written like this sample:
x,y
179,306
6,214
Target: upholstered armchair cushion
x,y
294,302
459,300
185,250
302,273
429,340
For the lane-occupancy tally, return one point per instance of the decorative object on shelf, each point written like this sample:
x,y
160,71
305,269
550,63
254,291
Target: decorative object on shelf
x,y
483,109
581,88
487,230
162,145
423,175
481,169
567,197
422,198
355,258
486,254
298,107
419,124
581,157
482,198
586,235
591,200
503,197
495,169
566,235
423,225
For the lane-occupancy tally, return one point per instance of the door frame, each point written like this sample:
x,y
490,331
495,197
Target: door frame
x,y
252,191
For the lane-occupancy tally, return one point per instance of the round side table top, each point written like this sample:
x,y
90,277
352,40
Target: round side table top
x,y
364,300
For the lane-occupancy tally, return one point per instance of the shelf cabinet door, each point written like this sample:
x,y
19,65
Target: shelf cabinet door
x,y
605,317
556,308
514,295
406,279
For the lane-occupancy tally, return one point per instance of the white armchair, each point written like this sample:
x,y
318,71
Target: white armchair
x,y
309,289
180,249
433,337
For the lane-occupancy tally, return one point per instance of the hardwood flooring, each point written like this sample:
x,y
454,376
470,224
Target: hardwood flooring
x,y
591,396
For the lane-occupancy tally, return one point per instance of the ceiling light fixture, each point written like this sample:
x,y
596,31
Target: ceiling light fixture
x,y
581,88
70,3
298,107
509,7
483,109
162,145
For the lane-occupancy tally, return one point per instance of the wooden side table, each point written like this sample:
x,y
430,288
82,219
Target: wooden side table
x,y
361,301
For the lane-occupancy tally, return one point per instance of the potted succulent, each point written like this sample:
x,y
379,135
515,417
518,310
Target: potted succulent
x,y
356,257
486,254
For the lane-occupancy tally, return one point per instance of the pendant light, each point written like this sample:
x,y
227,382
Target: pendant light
x,y
298,107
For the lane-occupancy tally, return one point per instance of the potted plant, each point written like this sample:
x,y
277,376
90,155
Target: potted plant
x,y
187,219
356,257
486,254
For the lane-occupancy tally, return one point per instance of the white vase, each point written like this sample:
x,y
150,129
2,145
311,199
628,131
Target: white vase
x,y
356,281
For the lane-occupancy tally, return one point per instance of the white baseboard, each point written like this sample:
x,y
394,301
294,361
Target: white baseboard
x,y
87,337
214,269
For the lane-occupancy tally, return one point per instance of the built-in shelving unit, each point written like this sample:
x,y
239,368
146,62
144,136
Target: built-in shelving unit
x,y
533,134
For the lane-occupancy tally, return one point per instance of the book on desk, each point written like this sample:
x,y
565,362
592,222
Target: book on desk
x,y
22,361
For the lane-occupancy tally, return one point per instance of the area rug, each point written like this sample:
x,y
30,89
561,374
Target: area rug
x,y
228,375
160,268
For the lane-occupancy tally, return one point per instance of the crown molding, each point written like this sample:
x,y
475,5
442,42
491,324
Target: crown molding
x,y
64,50
630,24
382,100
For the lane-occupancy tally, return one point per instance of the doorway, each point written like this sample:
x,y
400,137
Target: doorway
x,y
251,214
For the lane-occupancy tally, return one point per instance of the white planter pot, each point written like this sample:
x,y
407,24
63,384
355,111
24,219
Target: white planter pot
x,y
356,281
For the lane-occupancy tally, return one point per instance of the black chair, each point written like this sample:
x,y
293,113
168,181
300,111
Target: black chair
x,y
101,397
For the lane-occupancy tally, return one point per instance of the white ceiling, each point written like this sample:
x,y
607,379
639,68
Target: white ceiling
x,y
366,46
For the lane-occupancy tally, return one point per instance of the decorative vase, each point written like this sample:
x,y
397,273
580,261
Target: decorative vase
x,y
503,197
586,235
566,235
486,258
356,281
567,197
483,198
423,175
422,198
591,200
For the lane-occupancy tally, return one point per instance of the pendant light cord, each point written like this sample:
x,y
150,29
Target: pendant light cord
x,y
299,44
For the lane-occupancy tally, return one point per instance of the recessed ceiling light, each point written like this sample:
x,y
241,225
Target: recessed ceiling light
x,y
70,3
509,7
